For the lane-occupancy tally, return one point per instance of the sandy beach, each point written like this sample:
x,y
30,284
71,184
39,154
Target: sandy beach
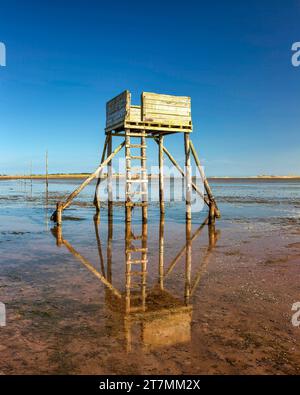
x,y
238,318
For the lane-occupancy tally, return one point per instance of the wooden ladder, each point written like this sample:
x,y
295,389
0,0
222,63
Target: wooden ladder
x,y
136,269
136,175
136,256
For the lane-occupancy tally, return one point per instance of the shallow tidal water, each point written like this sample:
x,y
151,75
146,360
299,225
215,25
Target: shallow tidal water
x,y
210,300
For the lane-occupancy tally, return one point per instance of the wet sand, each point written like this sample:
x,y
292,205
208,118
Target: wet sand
x,y
234,319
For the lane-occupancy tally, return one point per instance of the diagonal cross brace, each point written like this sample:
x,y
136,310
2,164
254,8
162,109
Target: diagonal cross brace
x,y
70,198
194,186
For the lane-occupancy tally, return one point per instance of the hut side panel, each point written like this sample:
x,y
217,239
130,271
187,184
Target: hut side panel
x,y
117,109
166,109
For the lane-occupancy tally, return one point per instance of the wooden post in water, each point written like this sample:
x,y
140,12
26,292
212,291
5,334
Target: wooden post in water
x,y
109,244
161,251
59,208
87,181
175,163
213,208
97,193
188,176
47,171
109,183
144,179
161,175
128,206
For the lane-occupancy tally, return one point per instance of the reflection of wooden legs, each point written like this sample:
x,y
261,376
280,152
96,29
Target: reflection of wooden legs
x,y
188,176
136,268
212,235
212,212
96,223
109,244
213,238
127,330
57,233
144,261
128,238
188,262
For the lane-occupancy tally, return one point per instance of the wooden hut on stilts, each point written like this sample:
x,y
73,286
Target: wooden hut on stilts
x,y
157,117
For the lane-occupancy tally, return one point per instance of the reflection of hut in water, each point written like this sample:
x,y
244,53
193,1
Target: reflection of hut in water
x,y
165,321
149,315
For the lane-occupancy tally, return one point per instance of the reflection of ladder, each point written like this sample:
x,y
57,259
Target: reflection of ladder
x,y
136,175
136,268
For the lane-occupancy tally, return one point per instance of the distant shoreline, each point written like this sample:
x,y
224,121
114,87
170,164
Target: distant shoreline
x,y
85,175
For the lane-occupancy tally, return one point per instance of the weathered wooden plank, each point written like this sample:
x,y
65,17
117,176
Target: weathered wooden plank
x,y
162,127
135,113
169,109
118,108
159,96
174,110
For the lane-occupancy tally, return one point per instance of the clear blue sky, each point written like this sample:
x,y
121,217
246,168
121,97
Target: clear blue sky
x,y
66,59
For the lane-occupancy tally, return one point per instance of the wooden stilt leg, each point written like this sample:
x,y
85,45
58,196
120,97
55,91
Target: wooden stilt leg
x,y
109,183
128,207
109,245
161,251
144,177
188,176
59,213
97,191
86,182
161,175
212,202
212,213
172,159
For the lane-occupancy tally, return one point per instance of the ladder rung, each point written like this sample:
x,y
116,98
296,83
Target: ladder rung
x,y
137,237
137,249
138,180
136,273
135,296
134,176
137,193
136,308
136,261
135,286
135,146
138,204
136,168
136,134
135,157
